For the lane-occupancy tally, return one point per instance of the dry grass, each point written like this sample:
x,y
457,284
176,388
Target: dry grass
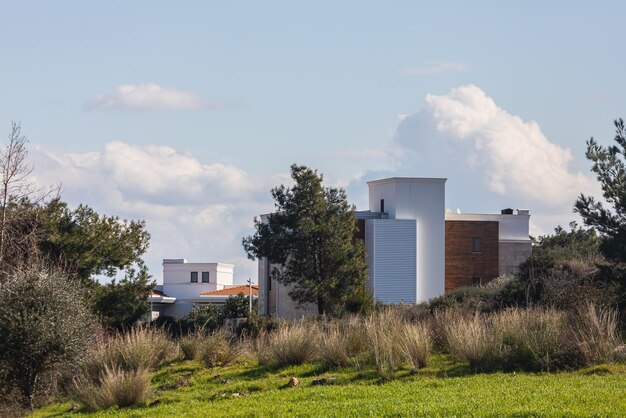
x,y
384,332
344,342
290,344
468,338
597,333
115,387
217,349
415,344
140,348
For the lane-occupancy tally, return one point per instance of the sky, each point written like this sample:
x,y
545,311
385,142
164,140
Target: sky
x,y
186,114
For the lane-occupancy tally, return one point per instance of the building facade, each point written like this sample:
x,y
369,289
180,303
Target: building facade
x,y
187,284
416,250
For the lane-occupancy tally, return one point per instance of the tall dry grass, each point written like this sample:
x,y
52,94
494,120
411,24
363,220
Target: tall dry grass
x,y
139,348
114,387
218,349
344,343
116,371
290,344
415,344
596,331
469,338
382,333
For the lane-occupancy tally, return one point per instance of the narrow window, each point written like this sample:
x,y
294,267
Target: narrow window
x,y
194,277
382,205
267,274
475,245
205,277
476,281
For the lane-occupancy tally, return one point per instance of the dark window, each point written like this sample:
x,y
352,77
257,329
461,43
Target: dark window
x,y
194,277
475,245
382,205
476,281
267,274
205,277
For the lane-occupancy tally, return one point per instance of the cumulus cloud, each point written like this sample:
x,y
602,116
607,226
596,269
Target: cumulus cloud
x,y
192,209
438,68
513,156
148,97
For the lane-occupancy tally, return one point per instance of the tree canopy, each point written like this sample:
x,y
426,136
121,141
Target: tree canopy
x,y
610,218
310,241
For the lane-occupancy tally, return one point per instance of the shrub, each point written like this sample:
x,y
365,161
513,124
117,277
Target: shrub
x,y
343,342
114,387
208,317
217,349
415,344
383,331
289,344
597,333
44,327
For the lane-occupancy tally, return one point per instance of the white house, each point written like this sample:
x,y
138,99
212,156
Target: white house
x,y
186,284
415,250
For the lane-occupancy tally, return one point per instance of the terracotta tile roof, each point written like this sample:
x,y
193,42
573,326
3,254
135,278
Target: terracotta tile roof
x,y
233,291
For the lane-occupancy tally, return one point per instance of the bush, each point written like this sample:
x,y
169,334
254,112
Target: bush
x,y
114,387
207,317
217,349
289,344
45,328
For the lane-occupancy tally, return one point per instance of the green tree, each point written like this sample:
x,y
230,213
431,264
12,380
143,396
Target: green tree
x,y
207,317
310,240
121,304
45,328
238,306
610,219
87,243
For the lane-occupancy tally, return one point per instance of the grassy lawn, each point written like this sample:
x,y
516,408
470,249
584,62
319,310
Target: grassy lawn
x,y
444,389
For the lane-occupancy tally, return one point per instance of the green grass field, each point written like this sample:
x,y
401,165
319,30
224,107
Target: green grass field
x,y
445,389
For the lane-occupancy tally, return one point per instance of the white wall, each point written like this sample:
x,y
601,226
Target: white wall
x,y
392,259
177,279
422,200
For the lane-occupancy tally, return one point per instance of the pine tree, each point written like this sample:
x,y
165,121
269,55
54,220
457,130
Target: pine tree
x,y
310,240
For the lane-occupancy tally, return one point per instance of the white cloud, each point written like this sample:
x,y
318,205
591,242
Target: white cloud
x,y
192,209
438,68
148,97
513,156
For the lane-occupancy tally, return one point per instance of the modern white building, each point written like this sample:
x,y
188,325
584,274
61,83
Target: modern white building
x,y
187,284
415,250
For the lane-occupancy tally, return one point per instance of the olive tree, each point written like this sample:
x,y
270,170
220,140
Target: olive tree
x,y
45,328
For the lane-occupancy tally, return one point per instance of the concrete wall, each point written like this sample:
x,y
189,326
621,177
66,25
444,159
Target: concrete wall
x,y
422,200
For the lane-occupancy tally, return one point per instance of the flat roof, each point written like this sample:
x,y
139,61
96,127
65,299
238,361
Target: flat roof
x,y
409,180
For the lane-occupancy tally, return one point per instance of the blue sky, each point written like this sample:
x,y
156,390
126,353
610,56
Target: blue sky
x,y
221,98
